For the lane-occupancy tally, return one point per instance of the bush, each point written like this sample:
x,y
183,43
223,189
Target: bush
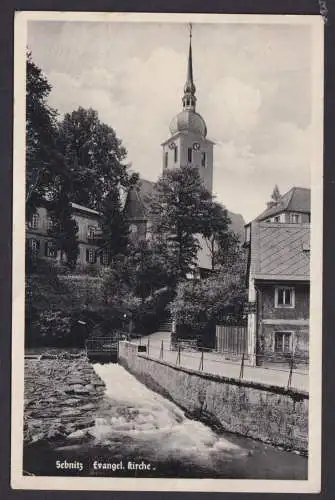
x,y
54,328
199,305
153,311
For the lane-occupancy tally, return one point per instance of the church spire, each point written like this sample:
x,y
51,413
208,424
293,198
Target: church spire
x,y
189,99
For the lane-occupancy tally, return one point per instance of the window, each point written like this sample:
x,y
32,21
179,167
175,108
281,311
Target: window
x,y
277,218
284,297
283,342
34,221
166,159
189,155
34,246
91,232
91,257
295,218
133,228
176,154
104,260
50,249
50,223
203,159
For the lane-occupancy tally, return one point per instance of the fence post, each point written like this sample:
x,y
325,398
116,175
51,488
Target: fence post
x,y
289,382
161,353
148,345
178,356
201,365
242,367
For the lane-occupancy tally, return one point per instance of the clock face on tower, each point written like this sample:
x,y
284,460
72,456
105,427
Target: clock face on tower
x,y
172,145
196,146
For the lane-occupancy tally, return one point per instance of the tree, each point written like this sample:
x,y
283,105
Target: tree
x,y
64,228
228,250
215,230
150,269
95,157
47,174
199,303
42,156
179,211
114,237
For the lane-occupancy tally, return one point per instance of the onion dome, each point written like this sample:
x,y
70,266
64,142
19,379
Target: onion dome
x,y
190,121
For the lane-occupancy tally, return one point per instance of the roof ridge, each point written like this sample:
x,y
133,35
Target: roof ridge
x,y
293,189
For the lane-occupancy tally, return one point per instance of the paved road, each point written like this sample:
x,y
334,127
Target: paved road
x,y
217,364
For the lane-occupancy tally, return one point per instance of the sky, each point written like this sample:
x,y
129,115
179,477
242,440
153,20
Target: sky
x,y
253,86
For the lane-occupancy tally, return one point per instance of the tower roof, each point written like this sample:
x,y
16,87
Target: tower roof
x,y
188,120
189,85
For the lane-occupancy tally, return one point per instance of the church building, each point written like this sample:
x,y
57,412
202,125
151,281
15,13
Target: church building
x,y
188,144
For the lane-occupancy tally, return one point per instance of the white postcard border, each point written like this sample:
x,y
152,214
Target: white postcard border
x,y
18,481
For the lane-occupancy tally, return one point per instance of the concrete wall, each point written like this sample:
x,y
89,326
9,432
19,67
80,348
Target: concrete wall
x,y
270,414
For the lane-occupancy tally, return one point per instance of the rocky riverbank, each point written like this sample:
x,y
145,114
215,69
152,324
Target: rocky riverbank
x,y
61,395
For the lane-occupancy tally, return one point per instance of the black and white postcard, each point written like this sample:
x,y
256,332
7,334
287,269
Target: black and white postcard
x,y
167,244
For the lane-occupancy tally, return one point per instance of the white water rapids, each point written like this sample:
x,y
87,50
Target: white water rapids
x,y
133,423
141,423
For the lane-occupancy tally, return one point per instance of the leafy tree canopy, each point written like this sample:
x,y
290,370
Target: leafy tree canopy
x,y
180,209
94,156
200,302
43,159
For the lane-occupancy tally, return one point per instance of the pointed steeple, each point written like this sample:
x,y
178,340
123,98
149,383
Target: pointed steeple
x,y
189,99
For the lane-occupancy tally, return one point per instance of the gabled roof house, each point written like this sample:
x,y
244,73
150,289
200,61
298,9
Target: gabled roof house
x,y
278,279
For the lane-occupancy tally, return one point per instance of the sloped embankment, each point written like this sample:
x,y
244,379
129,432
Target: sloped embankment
x,y
61,395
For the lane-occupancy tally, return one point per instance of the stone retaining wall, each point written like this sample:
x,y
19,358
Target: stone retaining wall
x,y
271,414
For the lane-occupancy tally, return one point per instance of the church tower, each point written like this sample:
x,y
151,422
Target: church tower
x,y
188,143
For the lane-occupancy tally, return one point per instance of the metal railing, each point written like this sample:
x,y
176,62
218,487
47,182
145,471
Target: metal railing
x,y
290,371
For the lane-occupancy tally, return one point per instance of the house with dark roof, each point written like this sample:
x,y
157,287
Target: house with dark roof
x,y
278,279
294,207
